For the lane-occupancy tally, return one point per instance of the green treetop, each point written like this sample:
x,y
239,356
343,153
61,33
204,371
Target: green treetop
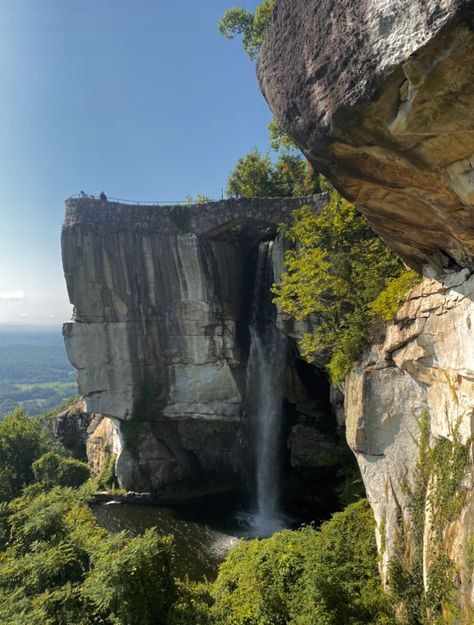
x,y
342,274
252,26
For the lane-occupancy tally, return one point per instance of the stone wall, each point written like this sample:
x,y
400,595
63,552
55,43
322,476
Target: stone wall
x,y
208,218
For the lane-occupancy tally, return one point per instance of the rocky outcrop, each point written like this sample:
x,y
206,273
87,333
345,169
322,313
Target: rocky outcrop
x,y
71,429
160,331
379,96
424,370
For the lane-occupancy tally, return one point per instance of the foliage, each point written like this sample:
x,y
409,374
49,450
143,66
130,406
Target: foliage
x,y
279,140
52,469
336,269
131,579
192,606
255,583
22,442
252,27
387,303
57,566
50,536
306,577
199,199
351,487
256,176
107,478
435,489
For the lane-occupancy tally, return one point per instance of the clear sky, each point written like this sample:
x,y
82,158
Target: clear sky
x,y
141,98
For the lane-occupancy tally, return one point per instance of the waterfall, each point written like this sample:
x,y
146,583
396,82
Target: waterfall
x,y
265,386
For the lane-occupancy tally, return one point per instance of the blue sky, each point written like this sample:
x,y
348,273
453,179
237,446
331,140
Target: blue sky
x,y
142,99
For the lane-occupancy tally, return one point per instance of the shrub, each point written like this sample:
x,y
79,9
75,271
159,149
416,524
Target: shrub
x,y
387,303
131,579
306,577
193,605
55,470
22,441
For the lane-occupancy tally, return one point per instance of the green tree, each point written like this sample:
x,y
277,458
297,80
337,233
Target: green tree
x,y
252,26
336,269
252,176
48,539
325,576
22,441
57,567
52,469
256,176
131,579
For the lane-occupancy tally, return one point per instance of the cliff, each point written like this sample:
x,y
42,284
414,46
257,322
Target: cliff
x,y
378,95
160,336
380,98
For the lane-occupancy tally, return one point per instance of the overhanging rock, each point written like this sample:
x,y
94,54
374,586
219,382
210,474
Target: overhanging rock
x,y
380,97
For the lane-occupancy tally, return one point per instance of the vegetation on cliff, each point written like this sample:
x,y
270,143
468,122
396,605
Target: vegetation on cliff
x,y
422,575
341,274
252,26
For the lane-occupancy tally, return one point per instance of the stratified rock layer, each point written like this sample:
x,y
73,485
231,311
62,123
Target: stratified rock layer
x,y
160,332
380,97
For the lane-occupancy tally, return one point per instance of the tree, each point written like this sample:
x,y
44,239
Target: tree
x,y
22,441
256,176
337,268
325,576
52,469
252,26
131,579
252,176
58,567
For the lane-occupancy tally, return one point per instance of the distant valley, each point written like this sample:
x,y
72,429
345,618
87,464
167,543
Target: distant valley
x,y
34,370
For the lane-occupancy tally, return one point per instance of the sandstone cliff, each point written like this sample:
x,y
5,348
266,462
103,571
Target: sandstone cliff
x,y
378,95
380,98
160,334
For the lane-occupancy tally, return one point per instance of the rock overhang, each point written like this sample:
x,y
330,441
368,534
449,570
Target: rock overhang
x,y
380,98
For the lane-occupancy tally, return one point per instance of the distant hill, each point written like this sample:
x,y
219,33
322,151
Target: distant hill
x,y
34,370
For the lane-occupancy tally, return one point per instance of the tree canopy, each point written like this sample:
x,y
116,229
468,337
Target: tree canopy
x,y
252,26
255,175
336,274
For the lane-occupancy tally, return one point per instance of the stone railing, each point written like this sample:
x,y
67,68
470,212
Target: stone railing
x,y
208,218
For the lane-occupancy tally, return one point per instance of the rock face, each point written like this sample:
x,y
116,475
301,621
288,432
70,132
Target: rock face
x,y
424,369
379,96
71,427
160,331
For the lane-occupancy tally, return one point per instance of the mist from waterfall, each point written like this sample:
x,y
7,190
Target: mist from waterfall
x,y
265,390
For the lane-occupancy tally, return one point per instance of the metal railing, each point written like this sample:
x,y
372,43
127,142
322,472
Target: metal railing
x,y
131,202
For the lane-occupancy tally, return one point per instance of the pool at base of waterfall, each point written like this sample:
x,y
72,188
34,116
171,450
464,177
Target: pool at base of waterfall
x,y
203,534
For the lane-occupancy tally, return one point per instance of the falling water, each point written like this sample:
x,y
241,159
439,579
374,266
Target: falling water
x,y
265,385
